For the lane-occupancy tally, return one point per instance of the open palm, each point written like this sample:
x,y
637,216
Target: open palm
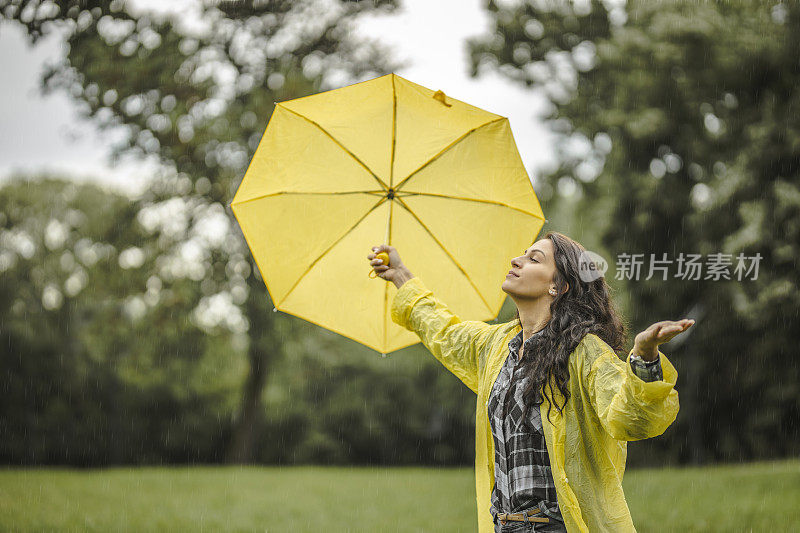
x,y
648,340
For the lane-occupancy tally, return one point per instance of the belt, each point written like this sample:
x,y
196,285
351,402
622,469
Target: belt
x,y
522,517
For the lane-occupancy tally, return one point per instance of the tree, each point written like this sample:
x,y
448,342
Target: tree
x,y
687,111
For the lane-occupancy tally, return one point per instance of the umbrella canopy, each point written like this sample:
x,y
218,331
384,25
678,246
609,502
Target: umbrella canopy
x,y
384,161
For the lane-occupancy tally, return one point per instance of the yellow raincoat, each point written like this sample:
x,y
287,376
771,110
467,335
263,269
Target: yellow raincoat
x,y
587,443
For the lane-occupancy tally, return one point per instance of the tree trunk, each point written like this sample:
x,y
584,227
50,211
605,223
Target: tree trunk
x,y
265,347
246,428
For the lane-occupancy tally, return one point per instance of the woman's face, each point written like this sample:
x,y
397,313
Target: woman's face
x,y
535,270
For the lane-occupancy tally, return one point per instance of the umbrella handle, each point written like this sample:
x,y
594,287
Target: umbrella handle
x,y
383,256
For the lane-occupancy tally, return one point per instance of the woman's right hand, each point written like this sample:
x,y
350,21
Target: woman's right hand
x,y
396,271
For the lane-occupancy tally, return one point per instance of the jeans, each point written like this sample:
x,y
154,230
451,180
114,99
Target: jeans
x,y
524,527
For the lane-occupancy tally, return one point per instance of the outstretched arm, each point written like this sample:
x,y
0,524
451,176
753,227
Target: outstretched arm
x,y
456,343
629,407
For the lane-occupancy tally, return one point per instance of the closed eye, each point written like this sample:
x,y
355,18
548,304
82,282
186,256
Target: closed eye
x,y
532,256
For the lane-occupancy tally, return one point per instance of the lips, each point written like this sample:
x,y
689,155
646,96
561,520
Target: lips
x,y
513,274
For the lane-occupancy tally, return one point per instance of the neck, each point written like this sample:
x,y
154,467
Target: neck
x,y
533,315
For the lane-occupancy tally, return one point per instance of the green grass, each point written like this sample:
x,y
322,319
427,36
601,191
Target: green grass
x,y
752,497
763,496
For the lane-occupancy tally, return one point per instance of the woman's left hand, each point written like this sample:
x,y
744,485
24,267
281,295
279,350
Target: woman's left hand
x,y
646,343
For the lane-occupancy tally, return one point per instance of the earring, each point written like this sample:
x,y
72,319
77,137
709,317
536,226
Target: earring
x,y
553,292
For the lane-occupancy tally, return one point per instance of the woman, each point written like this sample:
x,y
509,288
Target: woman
x,y
555,404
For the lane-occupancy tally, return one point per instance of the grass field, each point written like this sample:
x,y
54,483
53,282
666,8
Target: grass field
x,y
752,497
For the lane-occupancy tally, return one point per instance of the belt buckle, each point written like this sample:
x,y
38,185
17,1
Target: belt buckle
x,y
526,516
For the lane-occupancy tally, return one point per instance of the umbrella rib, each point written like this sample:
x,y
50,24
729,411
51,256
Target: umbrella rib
x,y
492,202
453,259
279,193
328,249
323,130
446,148
394,132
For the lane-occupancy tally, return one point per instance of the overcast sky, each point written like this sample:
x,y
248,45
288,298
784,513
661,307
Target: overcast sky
x,y
40,133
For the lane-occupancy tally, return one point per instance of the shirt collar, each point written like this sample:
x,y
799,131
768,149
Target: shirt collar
x,y
515,343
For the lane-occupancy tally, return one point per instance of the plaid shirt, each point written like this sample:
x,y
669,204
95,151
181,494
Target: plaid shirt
x,y
523,478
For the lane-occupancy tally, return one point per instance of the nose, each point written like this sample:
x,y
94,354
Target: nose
x,y
515,262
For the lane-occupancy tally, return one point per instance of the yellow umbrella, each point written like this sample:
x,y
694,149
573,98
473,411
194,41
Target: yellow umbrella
x,y
384,160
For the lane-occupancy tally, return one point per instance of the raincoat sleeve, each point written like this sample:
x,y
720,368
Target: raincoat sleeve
x,y
628,407
456,343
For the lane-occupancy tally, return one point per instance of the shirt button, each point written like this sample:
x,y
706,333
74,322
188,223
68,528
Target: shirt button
x,y
566,480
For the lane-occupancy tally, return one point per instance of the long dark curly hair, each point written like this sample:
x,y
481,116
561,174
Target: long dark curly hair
x,y
586,307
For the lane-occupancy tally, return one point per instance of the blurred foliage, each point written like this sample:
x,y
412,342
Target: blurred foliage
x,y
196,92
107,359
88,375
687,112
